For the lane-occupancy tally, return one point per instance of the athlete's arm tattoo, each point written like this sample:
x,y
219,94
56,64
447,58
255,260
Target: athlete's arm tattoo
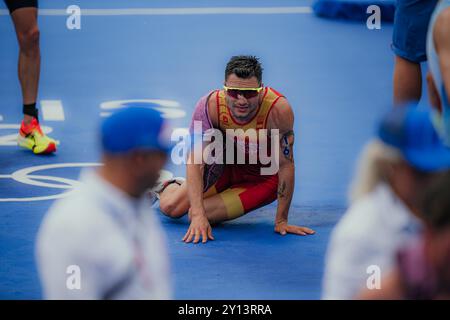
x,y
286,144
281,189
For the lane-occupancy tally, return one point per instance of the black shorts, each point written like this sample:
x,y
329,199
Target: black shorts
x,y
17,4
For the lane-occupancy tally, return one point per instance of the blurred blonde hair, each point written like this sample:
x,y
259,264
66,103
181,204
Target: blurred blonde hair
x,y
373,168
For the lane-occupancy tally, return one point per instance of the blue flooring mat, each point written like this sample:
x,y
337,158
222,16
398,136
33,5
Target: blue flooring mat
x,y
336,75
354,9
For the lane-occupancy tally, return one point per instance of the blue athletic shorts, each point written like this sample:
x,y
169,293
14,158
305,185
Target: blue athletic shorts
x,y
410,28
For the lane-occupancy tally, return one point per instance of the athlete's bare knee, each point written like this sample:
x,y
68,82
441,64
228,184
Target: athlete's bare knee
x,y
171,208
29,41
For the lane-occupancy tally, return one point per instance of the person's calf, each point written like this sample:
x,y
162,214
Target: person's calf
x,y
407,81
433,94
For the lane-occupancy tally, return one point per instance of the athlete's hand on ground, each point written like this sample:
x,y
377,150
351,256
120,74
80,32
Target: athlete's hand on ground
x,y
199,228
283,228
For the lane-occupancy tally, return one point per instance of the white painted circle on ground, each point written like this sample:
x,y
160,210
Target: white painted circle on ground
x,y
23,176
11,139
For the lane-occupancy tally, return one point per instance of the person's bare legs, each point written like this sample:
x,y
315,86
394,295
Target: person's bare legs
x,y
441,34
407,81
433,95
174,203
27,30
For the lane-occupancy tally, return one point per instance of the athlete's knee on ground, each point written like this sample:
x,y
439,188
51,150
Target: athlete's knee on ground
x,y
29,40
171,208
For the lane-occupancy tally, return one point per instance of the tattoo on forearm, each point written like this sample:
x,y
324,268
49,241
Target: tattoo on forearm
x,y
287,143
281,189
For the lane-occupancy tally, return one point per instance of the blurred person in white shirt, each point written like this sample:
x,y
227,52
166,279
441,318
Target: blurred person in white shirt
x,y
105,241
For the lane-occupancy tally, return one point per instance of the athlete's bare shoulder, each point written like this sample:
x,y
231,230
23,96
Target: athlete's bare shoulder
x,y
281,115
212,108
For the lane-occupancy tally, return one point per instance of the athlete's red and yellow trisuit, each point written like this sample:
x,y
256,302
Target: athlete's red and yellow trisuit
x,y
241,186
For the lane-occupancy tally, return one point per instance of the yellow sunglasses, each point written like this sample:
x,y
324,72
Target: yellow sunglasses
x,y
247,93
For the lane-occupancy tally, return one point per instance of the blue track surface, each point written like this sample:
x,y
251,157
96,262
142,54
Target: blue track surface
x,y
354,9
336,75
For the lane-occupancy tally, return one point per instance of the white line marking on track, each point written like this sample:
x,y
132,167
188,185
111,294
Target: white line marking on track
x,y
52,110
176,11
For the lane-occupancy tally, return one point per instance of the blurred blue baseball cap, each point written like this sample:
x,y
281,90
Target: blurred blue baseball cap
x,y
411,131
135,128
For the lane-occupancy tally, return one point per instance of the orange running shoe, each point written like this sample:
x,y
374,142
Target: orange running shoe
x,y
33,138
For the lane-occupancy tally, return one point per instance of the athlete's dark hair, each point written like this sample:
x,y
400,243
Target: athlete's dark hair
x,y
244,67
